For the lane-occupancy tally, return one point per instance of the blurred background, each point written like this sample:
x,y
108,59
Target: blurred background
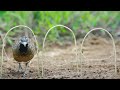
x,y
59,42
41,21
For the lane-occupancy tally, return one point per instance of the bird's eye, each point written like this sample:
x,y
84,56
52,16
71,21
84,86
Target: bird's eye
x,y
26,44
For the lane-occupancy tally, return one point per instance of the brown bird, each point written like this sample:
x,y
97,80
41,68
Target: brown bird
x,y
23,51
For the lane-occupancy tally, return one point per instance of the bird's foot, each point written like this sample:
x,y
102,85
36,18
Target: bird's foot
x,y
26,70
20,70
25,73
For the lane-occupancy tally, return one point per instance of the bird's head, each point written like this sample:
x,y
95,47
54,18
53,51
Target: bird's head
x,y
24,41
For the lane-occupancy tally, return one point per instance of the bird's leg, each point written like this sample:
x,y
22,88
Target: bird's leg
x,y
26,71
20,67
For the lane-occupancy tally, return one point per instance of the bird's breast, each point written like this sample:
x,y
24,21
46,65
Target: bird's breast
x,y
23,57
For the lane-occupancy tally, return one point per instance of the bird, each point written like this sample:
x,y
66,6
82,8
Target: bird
x,y
23,51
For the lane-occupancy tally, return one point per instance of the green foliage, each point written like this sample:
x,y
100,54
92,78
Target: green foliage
x,y
2,13
41,21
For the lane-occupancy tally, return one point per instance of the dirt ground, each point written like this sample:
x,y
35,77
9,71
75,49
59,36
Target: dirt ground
x,y
65,63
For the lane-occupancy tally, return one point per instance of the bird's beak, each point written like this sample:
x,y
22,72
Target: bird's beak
x,y
24,43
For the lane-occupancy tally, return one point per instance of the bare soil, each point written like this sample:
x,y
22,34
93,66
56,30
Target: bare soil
x,y
63,63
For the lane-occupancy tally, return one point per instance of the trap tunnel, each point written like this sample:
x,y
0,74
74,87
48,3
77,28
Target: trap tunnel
x,y
43,74
3,47
83,56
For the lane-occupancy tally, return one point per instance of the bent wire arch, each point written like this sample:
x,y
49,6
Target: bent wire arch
x,y
114,47
4,45
73,37
4,49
